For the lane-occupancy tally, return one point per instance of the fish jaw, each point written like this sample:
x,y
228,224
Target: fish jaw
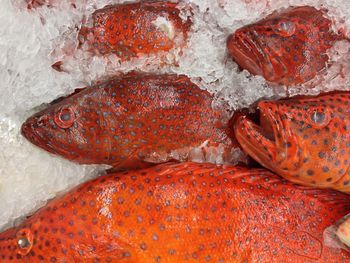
x,y
242,51
253,142
269,143
31,130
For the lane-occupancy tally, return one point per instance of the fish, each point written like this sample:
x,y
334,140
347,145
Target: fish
x,y
133,29
181,212
130,121
305,139
288,47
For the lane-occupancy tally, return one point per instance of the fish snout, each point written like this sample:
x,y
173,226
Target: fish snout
x,y
28,130
31,128
243,51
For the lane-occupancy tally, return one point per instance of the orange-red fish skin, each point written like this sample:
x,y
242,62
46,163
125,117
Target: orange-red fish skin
x,y
130,120
287,47
309,141
178,213
132,29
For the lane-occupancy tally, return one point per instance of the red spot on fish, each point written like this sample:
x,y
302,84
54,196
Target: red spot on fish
x,y
287,47
129,30
175,213
304,139
130,120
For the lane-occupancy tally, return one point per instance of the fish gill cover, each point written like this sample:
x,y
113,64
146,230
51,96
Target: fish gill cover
x,y
33,40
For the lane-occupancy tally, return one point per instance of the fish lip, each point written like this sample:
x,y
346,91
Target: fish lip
x,y
241,47
277,155
29,131
250,135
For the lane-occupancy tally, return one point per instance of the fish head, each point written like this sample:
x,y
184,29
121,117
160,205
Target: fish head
x,y
17,244
68,128
286,47
305,140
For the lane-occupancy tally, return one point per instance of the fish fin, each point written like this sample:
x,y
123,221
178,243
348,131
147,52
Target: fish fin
x,y
130,165
76,91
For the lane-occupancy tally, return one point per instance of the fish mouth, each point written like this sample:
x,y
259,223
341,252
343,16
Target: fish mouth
x,y
257,141
269,141
30,130
250,53
243,50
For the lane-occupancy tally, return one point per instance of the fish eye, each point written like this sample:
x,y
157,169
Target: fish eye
x,y
24,241
65,117
285,28
319,117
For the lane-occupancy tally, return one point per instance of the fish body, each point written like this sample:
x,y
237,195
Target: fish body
x,y
132,29
178,213
304,139
287,47
130,120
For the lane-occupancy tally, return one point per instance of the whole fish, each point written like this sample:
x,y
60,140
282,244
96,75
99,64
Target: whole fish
x,y
287,47
304,139
179,213
131,29
130,120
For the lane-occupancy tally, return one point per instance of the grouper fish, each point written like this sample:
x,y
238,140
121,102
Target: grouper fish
x,y
181,213
304,139
132,120
132,29
288,47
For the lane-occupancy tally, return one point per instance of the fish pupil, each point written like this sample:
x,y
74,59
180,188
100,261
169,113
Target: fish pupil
x,y
287,28
65,117
23,242
318,117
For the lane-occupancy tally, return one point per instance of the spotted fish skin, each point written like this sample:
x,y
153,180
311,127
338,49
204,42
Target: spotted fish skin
x,y
128,120
287,47
132,29
304,139
181,212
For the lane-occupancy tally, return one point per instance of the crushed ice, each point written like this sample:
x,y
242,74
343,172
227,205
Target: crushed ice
x,y
32,41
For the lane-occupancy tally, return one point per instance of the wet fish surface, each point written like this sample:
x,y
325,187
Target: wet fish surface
x,y
130,121
288,47
132,29
178,213
304,139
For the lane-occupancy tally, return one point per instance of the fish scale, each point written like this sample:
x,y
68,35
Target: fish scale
x,y
130,120
178,213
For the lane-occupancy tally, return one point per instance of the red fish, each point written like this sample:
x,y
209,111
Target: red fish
x,y
130,120
178,213
304,139
287,47
132,29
